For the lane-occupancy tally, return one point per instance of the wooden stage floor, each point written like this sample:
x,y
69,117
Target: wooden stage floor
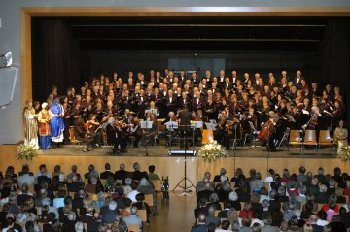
x,y
162,151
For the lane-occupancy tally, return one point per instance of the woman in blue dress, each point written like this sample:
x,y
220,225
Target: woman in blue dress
x,y
57,123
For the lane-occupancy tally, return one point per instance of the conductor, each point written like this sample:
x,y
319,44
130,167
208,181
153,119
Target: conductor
x,y
185,127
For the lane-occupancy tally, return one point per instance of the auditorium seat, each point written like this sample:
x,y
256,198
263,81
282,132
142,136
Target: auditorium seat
x,y
295,139
325,138
133,228
310,138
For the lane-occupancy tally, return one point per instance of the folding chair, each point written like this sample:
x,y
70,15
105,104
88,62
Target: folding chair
x,y
295,139
133,227
325,139
310,138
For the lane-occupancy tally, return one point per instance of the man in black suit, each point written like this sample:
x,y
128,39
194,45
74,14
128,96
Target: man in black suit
x,y
183,101
78,201
171,101
121,174
323,196
107,173
201,224
198,103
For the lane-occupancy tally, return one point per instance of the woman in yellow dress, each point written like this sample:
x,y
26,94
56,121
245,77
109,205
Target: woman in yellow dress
x,y
340,135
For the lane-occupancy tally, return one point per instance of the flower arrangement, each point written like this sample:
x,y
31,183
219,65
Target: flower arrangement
x,y
344,153
212,151
27,152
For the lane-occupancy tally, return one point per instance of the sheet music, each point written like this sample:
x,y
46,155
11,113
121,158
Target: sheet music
x,y
210,126
305,112
197,124
170,125
146,124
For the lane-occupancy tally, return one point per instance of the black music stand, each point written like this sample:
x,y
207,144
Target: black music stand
x,y
147,124
186,189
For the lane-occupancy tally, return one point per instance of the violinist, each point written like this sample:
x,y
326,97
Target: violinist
x,y
120,140
133,129
94,134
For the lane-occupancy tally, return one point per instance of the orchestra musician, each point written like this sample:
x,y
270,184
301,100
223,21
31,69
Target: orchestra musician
x,y
133,129
93,133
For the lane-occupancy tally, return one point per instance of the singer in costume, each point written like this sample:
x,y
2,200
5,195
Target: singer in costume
x,y
30,125
44,118
340,135
57,123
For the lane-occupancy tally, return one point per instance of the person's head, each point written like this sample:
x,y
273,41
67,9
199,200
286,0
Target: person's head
x,y
151,168
136,166
133,185
302,170
256,227
10,219
225,224
112,206
25,169
322,215
214,198
211,211
107,166
133,210
144,182
267,220
68,201
284,226
211,227
72,216
74,168
202,218
323,188
140,197
223,171
29,226
79,226
91,168
246,221
122,166
336,171
309,206
42,168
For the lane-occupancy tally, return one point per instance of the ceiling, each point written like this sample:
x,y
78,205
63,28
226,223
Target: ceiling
x,y
198,33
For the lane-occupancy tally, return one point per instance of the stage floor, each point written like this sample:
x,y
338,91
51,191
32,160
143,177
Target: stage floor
x,y
162,151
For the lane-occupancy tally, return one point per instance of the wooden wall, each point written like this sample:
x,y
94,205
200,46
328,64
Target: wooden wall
x,y
171,166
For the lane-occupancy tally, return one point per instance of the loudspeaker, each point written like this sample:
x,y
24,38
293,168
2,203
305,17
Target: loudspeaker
x,y
182,153
8,80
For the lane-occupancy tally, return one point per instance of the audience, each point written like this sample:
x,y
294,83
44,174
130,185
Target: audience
x,y
293,202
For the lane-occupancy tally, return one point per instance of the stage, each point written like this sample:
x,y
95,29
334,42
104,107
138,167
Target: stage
x,y
173,166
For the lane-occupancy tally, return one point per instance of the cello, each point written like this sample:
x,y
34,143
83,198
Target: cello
x,y
266,130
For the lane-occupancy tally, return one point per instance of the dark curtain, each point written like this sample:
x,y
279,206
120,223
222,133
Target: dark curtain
x,y
336,57
55,57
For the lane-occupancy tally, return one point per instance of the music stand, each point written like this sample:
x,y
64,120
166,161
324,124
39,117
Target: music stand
x,y
147,124
184,129
170,126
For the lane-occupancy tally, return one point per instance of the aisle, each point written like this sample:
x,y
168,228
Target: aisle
x,y
176,216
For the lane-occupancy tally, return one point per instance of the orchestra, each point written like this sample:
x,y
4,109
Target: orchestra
x,y
110,110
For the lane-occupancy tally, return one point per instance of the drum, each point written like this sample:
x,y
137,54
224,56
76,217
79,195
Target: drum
x,y
207,136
